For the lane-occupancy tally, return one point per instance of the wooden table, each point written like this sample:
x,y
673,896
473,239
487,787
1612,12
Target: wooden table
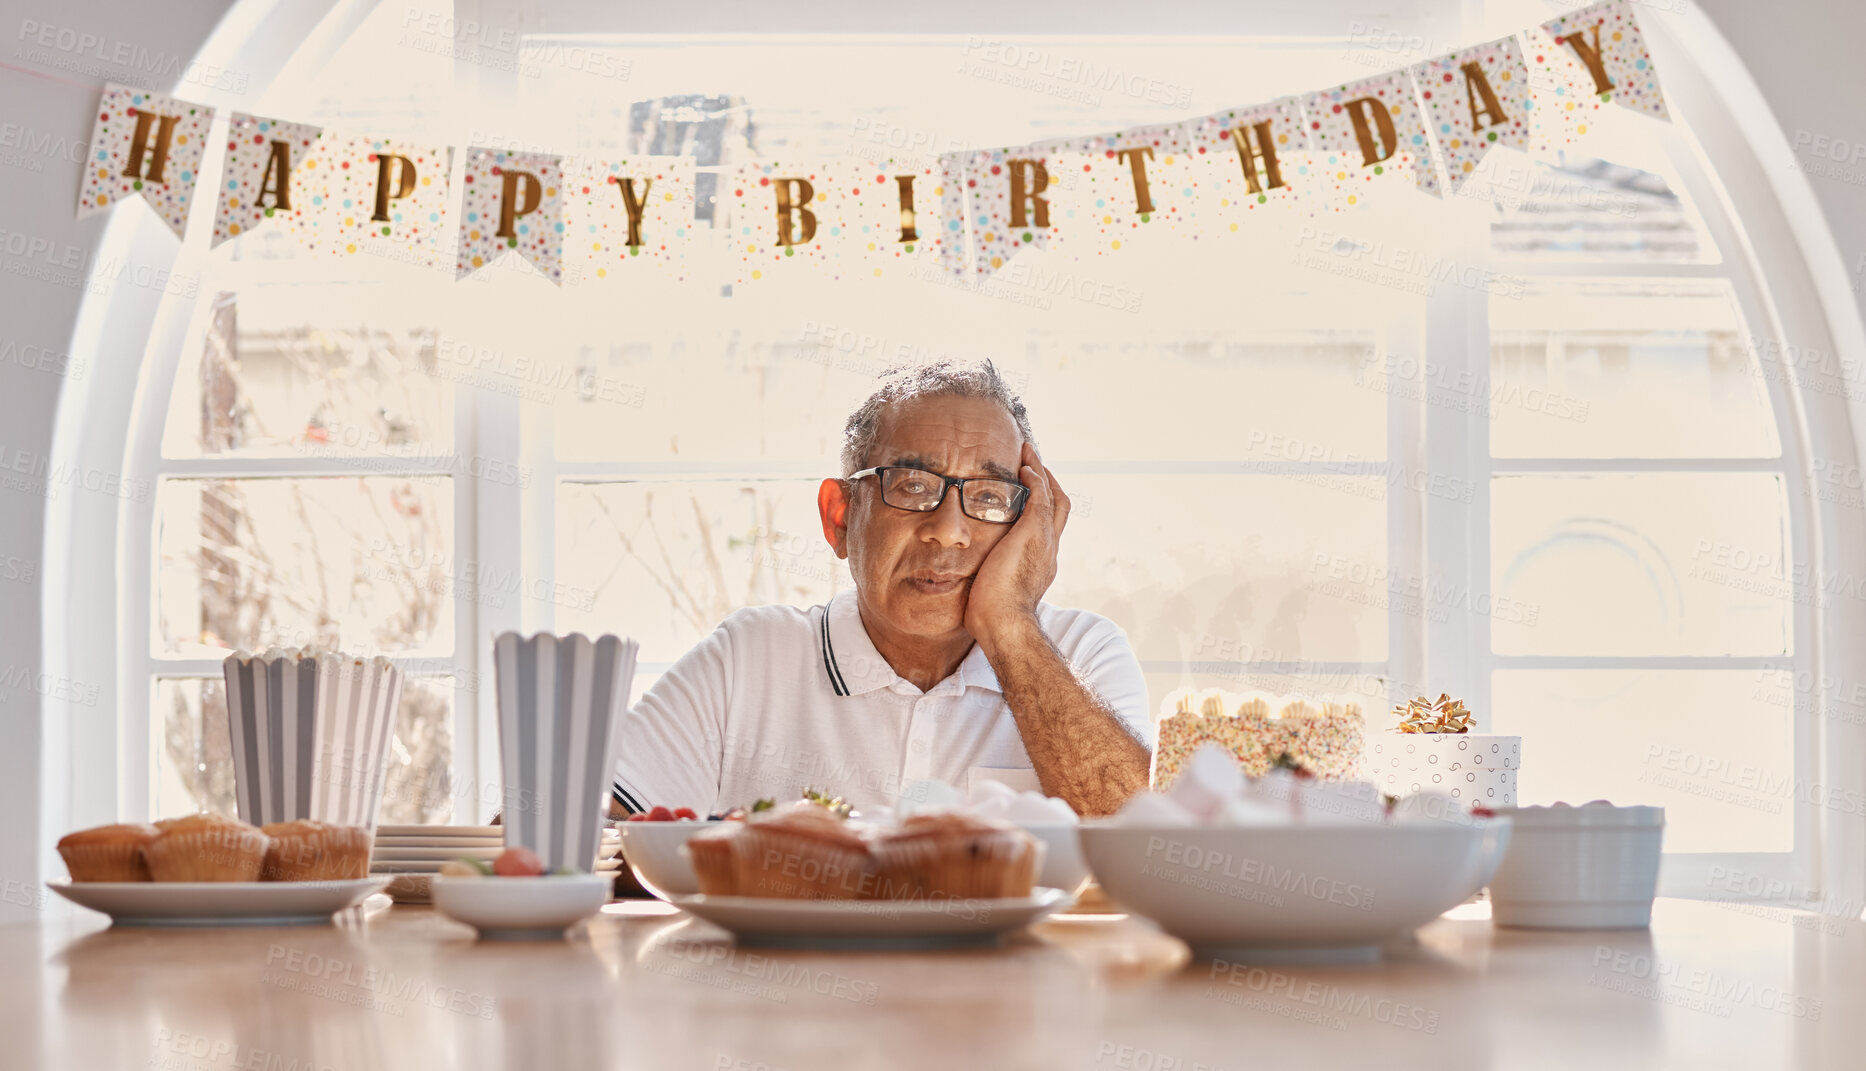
x,y
1710,985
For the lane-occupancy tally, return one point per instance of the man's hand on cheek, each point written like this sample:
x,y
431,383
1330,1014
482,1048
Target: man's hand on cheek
x,y
1019,569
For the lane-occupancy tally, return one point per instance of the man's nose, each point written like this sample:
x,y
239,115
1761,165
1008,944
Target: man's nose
x,y
948,525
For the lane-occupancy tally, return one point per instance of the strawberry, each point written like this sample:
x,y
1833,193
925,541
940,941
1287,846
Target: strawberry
x,y
517,862
660,814
1483,812
638,818
686,812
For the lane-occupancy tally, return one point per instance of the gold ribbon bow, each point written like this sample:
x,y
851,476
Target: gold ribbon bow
x,y
1422,715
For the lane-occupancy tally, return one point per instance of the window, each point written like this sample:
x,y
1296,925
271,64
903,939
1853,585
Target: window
x,y
1523,445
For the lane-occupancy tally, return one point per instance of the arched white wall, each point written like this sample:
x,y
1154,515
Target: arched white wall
x,y
62,622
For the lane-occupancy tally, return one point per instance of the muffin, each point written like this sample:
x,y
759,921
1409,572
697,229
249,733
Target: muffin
x,y
953,855
206,847
107,853
803,852
314,851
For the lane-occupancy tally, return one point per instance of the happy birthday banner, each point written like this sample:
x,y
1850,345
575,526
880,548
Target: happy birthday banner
x,y
966,212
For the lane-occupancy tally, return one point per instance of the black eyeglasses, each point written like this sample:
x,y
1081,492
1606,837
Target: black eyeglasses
x,y
982,498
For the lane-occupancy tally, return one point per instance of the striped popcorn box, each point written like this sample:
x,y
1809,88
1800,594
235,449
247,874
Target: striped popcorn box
x,y
561,699
310,732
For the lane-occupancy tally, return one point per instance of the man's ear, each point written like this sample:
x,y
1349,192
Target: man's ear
x,y
832,504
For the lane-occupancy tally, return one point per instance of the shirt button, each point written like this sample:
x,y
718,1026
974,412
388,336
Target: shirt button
x,y
919,746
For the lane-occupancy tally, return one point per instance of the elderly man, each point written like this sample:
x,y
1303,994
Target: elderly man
x,y
944,664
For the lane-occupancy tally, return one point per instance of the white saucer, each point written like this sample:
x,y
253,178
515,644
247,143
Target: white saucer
x,y
487,832
871,924
218,903
505,909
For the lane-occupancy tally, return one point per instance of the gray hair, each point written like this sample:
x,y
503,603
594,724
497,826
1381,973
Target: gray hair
x,y
906,382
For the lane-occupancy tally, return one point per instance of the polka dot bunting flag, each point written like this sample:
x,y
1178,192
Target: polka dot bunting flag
x,y
999,231
1118,187
1389,120
1476,100
107,177
1227,193
251,152
878,216
762,241
512,202
344,191
1570,58
596,216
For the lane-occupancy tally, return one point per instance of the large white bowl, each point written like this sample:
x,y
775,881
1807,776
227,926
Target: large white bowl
x,y
504,909
652,850
1296,893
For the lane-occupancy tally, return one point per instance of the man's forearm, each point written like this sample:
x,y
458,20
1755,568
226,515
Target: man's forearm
x,y
1081,749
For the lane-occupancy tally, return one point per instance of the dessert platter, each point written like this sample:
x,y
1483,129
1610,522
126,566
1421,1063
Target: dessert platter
x,y
206,870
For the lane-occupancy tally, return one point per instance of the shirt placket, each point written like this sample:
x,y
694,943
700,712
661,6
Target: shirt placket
x,y
917,764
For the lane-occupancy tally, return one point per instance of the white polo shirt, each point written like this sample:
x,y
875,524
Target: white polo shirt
x,y
778,698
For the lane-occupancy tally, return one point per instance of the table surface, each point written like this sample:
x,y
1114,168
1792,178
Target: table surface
x,y
643,986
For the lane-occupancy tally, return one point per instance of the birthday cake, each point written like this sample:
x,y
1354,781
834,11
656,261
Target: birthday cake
x,y
1263,732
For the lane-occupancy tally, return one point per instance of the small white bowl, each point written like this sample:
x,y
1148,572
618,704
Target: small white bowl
x,y
652,850
1296,893
520,909
1579,868
1063,866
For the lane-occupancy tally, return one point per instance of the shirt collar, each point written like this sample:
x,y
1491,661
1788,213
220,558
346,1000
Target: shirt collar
x,y
855,667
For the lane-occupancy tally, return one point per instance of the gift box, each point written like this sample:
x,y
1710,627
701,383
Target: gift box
x,y
1477,768
311,732
561,701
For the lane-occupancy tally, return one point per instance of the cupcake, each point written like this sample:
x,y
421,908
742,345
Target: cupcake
x,y
954,856
107,853
315,851
801,852
206,847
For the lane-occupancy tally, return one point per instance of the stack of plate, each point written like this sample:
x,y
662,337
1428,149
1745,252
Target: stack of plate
x,y
412,855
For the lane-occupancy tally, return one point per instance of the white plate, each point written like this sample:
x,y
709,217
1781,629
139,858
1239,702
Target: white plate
x,y
1298,893
521,908
439,842
431,855
871,924
218,903
492,832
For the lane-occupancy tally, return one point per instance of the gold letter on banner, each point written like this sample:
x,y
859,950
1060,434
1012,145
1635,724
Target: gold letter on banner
x,y
533,192
1589,56
1137,161
277,178
1476,85
158,153
1358,110
384,161
633,203
1248,153
906,183
1029,178
789,204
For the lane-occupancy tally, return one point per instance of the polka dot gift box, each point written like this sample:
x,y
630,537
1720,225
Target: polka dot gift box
x,y
1476,100
1433,749
1364,130
513,203
163,168
270,171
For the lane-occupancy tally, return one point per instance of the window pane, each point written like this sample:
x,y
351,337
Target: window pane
x,y
665,561
1625,368
1647,564
1585,208
194,757
1715,748
285,372
1231,568
363,563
